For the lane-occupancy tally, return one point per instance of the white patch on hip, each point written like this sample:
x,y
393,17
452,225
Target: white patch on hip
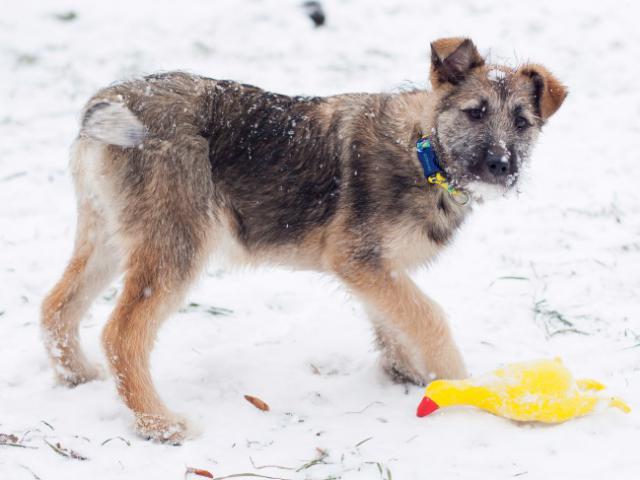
x,y
113,124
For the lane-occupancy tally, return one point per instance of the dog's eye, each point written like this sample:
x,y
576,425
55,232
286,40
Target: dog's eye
x,y
476,113
521,122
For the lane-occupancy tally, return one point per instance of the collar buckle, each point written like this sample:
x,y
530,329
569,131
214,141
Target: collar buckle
x,y
433,171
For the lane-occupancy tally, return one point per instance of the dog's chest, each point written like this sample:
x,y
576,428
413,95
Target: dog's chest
x,y
416,239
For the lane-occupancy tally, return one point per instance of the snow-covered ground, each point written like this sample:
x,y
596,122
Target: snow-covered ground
x,y
566,250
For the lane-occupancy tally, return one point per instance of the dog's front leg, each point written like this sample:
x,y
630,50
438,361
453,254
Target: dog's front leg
x,y
412,329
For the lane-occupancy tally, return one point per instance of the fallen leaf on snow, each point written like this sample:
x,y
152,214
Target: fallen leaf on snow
x,y
200,472
256,402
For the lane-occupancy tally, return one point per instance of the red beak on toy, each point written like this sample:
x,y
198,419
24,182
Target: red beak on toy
x,y
426,407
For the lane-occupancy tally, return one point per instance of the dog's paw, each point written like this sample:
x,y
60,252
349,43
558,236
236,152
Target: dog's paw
x,y
72,377
402,368
399,370
164,429
397,375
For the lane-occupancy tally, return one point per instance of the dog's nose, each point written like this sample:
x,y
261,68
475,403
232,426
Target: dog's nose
x,y
498,162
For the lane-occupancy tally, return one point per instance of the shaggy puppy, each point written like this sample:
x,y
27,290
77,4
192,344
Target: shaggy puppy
x,y
171,167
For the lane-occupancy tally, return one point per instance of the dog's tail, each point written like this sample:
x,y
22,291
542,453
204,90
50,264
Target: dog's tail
x,y
113,123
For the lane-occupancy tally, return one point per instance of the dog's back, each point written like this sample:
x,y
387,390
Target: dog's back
x,y
262,161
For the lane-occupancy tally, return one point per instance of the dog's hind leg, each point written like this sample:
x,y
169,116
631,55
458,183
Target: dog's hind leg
x,y
167,229
156,280
93,265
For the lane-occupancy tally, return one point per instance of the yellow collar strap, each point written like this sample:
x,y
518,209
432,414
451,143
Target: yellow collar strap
x,y
458,196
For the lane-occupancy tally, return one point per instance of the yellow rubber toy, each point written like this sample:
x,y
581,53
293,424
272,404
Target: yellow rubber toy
x,y
540,391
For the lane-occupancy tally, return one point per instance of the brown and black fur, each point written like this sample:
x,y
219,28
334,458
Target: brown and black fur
x,y
174,167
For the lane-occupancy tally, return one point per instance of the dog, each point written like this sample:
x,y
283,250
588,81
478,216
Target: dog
x,y
172,167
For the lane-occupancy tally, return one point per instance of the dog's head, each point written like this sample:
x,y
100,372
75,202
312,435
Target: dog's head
x,y
488,116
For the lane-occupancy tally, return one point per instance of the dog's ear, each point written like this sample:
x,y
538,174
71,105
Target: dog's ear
x,y
452,59
548,91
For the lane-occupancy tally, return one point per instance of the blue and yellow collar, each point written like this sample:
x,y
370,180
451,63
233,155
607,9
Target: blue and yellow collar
x,y
433,172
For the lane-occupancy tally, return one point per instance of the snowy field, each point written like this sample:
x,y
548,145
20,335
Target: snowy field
x,y
554,271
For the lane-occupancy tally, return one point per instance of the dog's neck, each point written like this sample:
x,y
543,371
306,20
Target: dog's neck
x,y
415,112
